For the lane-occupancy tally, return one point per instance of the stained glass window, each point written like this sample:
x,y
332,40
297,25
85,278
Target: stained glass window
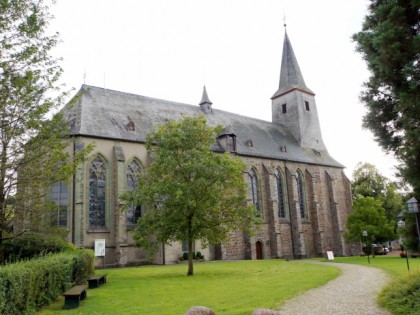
x,y
133,175
97,194
253,189
60,197
280,194
299,179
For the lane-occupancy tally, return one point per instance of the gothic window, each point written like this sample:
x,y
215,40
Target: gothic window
x,y
307,105
280,194
301,196
97,194
60,197
253,189
133,175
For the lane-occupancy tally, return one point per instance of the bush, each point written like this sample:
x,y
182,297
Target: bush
x,y
402,296
31,245
29,285
185,255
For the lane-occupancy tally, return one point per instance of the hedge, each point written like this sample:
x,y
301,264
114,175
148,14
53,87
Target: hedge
x,y
31,245
402,295
29,285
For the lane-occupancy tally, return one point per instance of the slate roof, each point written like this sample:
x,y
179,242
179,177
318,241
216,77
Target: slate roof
x,y
290,75
104,113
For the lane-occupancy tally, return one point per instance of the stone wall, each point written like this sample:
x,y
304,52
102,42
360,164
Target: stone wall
x,y
327,201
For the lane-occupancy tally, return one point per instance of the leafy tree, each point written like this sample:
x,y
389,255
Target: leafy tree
x,y
32,146
191,193
367,181
390,44
368,215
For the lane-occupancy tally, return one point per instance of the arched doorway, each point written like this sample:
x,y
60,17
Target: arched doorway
x,y
259,249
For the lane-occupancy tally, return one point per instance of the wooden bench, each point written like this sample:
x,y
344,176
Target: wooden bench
x,y
96,281
74,296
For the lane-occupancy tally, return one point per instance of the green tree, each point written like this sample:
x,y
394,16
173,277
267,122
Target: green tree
x,y
191,193
369,182
368,215
32,144
390,44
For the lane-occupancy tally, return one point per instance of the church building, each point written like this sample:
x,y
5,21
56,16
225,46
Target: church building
x,y
301,192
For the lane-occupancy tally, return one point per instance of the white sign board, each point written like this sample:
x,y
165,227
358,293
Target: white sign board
x,y
100,247
330,255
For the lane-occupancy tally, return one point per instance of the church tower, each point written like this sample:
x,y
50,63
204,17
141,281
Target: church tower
x,y
293,105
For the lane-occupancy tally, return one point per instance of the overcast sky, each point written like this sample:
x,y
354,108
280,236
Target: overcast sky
x,y
169,49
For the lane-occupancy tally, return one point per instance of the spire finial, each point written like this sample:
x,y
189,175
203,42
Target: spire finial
x,y
284,21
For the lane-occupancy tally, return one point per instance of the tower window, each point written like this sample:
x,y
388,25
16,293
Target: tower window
x,y
284,108
307,105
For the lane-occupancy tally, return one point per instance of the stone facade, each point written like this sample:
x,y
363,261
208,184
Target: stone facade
x,y
300,191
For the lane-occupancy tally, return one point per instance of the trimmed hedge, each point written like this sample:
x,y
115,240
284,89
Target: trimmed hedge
x,y
29,285
31,245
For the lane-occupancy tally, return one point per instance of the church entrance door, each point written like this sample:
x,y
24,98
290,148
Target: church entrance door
x,y
259,249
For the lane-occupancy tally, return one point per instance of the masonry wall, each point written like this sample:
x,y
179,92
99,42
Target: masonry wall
x,y
327,202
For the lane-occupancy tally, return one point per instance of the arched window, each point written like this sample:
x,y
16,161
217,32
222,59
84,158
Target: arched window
x,y
59,196
253,189
280,194
97,194
133,176
301,194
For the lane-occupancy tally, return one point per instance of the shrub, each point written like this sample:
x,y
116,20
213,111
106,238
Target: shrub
x,y
28,285
31,245
185,255
402,296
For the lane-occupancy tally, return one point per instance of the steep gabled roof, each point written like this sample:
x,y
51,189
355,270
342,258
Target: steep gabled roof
x,y
290,75
102,113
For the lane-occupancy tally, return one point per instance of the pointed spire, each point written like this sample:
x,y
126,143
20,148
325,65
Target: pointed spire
x,y
205,102
205,97
290,75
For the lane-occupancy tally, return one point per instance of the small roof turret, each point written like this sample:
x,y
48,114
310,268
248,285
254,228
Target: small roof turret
x,y
291,77
205,102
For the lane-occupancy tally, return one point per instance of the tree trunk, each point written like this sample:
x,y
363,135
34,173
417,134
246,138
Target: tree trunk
x,y
190,258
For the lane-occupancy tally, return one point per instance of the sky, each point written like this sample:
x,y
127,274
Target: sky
x,y
170,49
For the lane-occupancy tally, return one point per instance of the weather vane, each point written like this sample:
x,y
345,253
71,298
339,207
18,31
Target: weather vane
x,y
284,20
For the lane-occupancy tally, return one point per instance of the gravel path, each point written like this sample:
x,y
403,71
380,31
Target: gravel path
x,y
353,292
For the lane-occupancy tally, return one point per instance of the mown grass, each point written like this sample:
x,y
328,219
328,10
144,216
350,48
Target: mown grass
x,y
226,287
402,295
393,265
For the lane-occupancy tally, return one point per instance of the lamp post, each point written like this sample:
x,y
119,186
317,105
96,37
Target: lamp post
x,y
413,207
401,224
365,234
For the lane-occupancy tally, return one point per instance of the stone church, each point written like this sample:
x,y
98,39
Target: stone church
x,y
301,192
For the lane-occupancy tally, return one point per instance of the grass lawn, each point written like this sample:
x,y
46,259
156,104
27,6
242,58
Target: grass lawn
x,y
393,265
231,288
